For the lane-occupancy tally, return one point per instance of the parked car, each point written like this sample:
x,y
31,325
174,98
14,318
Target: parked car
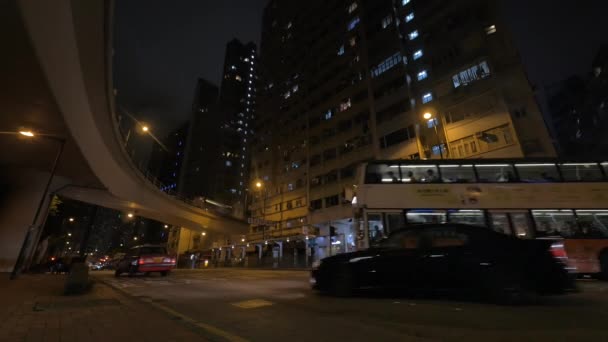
x,y
438,257
145,259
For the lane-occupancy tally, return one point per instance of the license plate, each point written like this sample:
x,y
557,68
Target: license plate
x,y
158,260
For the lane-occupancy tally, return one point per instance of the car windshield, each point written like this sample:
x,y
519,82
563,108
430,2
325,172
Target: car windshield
x,y
152,250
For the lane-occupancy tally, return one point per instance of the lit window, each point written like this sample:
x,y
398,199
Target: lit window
x,y
472,74
422,75
431,123
295,88
289,25
287,95
341,50
413,35
246,59
417,54
329,114
387,64
233,67
228,163
353,23
352,7
405,2
238,78
345,105
409,17
490,29
386,21
426,98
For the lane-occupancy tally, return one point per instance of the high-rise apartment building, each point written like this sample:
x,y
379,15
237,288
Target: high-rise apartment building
x,y
198,175
166,161
236,105
218,153
345,82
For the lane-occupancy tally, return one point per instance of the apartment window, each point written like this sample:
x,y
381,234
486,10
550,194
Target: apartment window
x,y
329,154
238,78
353,23
472,74
352,7
386,64
332,201
347,172
344,105
386,21
426,98
413,35
417,54
295,88
341,50
409,17
397,137
431,123
331,177
405,2
329,114
490,29
316,204
422,75
315,160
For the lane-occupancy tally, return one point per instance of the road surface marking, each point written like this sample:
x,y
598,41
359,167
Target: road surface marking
x,y
213,330
252,304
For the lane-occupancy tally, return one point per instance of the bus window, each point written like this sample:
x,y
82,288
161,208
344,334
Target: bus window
x,y
521,225
500,223
472,217
394,221
426,216
605,166
593,224
376,227
555,223
537,173
490,173
419,173
457,173
382,173
581,172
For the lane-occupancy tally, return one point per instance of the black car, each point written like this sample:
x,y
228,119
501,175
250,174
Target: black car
x,y
439,257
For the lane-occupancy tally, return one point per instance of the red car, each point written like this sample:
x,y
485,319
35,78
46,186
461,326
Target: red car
x,y
146,259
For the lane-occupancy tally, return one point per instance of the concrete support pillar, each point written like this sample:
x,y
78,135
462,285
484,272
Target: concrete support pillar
x,y
20,194
260,250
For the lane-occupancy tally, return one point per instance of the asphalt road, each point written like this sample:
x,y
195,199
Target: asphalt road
x,y
266,305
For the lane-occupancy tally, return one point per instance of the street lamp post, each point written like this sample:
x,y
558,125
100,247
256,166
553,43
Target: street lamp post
x,y
32,227
429,117
260,186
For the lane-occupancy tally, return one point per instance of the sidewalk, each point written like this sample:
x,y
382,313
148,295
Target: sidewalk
x,y
32,308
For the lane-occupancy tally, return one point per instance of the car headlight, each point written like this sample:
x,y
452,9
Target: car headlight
x,y
316,264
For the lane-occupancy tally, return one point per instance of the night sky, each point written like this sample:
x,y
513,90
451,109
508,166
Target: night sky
x,y
162,47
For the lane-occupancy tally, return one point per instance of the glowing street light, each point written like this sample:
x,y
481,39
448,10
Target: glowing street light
x,y
166,226
71,219
427,116
145,128
242,240
135,238
27,133
258,185
69,234
203,233
130,215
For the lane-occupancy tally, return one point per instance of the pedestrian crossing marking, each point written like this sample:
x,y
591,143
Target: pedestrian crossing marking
x,y
252,304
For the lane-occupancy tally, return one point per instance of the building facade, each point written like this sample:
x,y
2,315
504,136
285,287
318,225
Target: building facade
x,y
167,161
197,177
237,107
346,82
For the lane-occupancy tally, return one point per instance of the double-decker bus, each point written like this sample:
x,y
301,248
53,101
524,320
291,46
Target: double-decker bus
x,y
566,201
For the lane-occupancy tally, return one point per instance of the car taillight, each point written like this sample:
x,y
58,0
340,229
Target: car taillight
x,y
141,261
558,251
173,261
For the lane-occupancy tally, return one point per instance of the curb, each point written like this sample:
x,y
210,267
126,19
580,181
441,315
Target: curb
x,y
205,330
